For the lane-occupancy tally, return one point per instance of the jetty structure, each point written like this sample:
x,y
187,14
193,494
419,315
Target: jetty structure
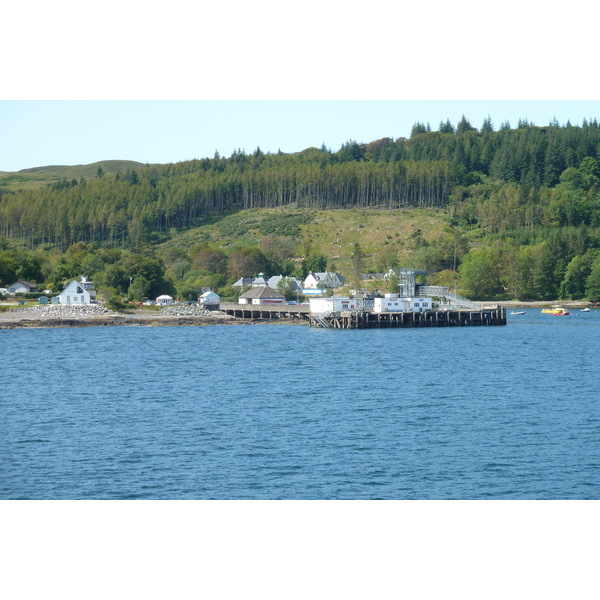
x,y
411,306
416,304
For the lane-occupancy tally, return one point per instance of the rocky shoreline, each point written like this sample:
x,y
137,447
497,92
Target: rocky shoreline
x,y
96,315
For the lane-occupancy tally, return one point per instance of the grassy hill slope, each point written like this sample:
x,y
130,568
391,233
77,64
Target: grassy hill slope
x,y
382,235
38,176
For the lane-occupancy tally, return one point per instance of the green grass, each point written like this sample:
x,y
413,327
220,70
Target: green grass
x,y
380,233
39,176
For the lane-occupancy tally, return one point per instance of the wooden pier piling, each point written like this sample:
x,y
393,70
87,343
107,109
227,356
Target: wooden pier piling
x,y
434,318
371,320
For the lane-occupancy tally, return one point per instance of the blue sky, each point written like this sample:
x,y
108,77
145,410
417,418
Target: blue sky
x,y
56,132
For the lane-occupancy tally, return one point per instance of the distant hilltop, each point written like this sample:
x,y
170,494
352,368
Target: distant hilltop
x,y
108,166
38,176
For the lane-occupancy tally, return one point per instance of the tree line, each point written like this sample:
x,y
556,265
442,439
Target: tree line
x,y
474,172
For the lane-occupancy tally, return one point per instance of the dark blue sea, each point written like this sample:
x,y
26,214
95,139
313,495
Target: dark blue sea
x,y
291,412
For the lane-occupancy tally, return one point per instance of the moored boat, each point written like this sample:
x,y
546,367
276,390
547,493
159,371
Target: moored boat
x,y
517,312
556,310
586,309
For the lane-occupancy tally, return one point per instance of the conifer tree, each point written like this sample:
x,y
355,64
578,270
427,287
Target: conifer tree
x,y
464,125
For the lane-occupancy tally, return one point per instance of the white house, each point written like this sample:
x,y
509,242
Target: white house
x,y
315,282
74,293
22,287
210,300
164,300
262,295
395,303
333,304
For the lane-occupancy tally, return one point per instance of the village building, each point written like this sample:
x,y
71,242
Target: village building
x,y
243,282
262,295
86,283
331,305
395,303
75,293
22,287
210,300
164,300
259,281
274,281
315,283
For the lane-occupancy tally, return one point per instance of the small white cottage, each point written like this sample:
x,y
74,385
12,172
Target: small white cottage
x,y
210,300
22,287
315,283
75,293
164,300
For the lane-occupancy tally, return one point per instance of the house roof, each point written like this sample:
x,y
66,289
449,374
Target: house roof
x,y
77,283
334,277
25,283
208,294
274,281
262,292
243,282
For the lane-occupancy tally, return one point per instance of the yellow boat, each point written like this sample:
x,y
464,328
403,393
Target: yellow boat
x,y
556,310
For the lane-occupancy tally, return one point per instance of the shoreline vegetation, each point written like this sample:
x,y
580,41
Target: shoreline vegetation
x,y
33,317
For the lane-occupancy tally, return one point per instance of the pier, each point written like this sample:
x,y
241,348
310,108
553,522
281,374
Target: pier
x,y
368,319
265,312
433,318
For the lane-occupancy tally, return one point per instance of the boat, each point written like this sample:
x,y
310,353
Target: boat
x,y
586,309
517,312
556,310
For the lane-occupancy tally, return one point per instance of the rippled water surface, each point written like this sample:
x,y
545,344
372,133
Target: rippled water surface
x,y
289,412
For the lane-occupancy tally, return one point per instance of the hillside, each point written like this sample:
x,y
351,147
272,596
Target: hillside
x,y
512,213
36,177
386,237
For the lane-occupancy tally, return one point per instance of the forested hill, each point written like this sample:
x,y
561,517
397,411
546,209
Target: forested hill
x,y
506,179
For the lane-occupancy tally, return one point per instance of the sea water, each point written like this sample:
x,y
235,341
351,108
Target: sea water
x,y
292,412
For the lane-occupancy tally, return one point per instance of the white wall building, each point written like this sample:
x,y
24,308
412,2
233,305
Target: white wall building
x,y
315,282
74,293
394,303
164,300
209,299
320,306
21,287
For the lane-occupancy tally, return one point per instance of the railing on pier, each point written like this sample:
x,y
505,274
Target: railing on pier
x,y
445,293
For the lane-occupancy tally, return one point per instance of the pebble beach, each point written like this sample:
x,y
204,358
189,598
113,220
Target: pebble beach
x,y
58,315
